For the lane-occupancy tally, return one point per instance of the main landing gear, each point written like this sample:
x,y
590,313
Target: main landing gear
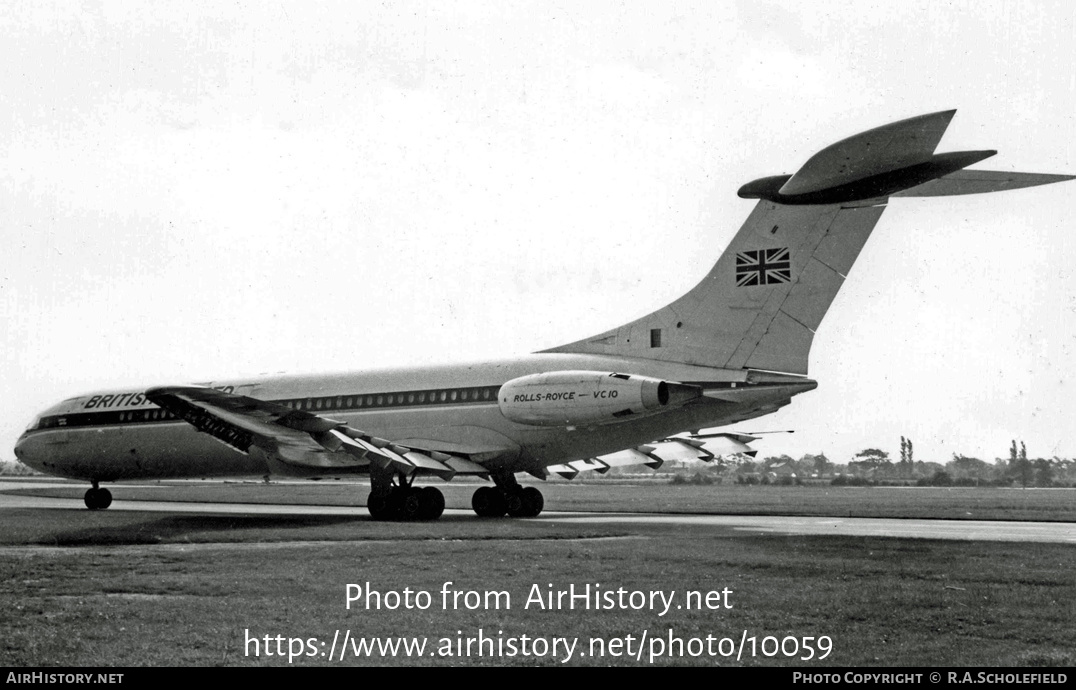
x,y
97,498
405,502
508,497
392,497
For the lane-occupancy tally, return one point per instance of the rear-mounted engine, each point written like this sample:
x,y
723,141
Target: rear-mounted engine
x,y
575,398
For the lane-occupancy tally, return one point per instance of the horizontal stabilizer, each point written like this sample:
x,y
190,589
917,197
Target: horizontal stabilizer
x,y
874,152
980,182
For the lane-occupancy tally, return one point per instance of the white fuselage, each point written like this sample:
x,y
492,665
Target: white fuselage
x,y
119,435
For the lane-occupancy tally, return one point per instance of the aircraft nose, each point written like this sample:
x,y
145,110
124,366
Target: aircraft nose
x,y
23,451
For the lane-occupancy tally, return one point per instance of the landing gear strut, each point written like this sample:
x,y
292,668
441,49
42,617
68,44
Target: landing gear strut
x,y
97,498
508,497
402,501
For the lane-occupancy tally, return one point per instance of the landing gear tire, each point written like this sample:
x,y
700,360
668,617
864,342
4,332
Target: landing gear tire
x,y
488,502
406,503
410,504
534,501
527,502
98,499
433,502
514,504
380,506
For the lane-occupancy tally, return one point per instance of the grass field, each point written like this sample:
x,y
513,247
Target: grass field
x,y
129,588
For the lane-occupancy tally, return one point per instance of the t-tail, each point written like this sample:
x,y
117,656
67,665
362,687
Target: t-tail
x,y
761,303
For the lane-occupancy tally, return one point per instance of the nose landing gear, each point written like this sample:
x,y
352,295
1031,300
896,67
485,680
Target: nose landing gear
x,y
97,498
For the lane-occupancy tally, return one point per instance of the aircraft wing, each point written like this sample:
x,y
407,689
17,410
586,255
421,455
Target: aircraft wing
x,y
300,438
656,454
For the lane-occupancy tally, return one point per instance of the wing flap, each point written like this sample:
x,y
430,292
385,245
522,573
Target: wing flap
x,y
465,466
640,455
426,462
682,449
705,448
726,443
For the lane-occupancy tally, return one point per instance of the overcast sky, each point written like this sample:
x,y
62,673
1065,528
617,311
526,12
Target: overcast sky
x,y
194,191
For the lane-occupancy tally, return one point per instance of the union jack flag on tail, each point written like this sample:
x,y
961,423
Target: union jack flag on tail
x,y
763,267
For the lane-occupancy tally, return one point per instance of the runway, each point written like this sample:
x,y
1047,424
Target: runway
x,y
964,530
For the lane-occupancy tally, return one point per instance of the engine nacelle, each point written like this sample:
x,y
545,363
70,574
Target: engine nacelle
x,y
577,398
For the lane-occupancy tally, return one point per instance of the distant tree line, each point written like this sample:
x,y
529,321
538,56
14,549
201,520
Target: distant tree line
x,y
874,466
15,469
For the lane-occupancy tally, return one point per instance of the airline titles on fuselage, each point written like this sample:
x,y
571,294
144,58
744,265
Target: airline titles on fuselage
x,y
131,399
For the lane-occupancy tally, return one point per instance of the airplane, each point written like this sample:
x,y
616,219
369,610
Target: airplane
x,y
733,348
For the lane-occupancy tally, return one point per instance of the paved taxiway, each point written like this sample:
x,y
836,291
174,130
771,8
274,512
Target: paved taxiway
x,y
968,530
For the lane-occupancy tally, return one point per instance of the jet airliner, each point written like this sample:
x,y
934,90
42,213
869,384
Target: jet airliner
x,y
735,347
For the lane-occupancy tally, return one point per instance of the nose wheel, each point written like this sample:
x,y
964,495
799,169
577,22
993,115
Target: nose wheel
x,y
97,498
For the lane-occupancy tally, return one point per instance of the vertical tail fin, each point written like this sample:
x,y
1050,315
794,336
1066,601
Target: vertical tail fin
x,y
759,306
